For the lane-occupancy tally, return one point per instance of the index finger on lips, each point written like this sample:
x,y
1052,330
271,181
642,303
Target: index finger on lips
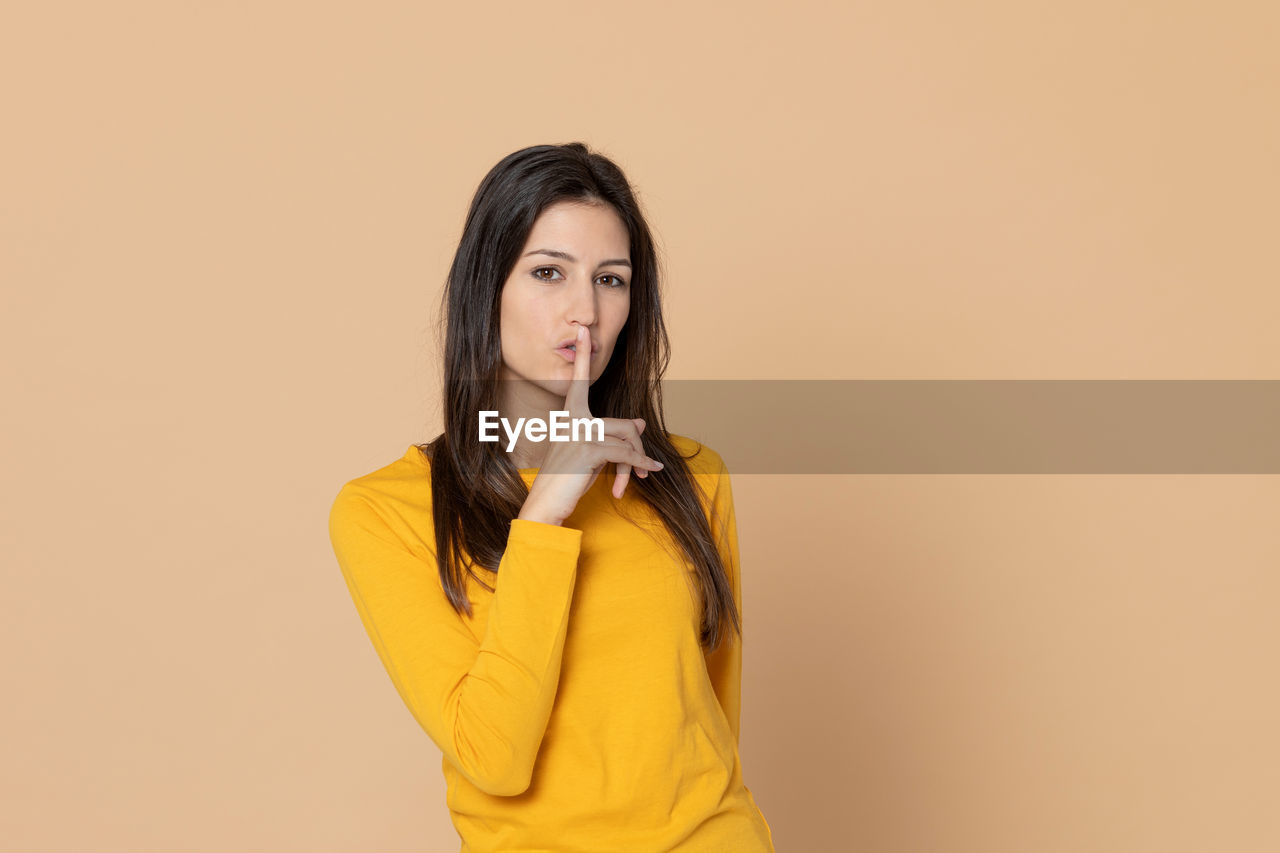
x,y
576,400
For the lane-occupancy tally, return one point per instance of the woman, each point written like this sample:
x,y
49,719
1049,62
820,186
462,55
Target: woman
x,y
571,643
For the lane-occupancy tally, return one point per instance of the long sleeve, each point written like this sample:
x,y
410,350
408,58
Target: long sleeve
x,y
724,665
487,704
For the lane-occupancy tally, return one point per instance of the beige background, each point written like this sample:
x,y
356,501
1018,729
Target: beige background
x,y
224,231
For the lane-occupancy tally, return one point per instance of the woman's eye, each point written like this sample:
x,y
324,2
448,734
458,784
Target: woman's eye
x,y
618,281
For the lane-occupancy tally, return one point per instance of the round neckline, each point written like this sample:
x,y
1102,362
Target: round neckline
x,y
416,451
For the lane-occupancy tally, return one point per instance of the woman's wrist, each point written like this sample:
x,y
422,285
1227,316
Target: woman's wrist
x,y
528,514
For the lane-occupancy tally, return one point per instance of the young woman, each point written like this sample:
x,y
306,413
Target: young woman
x,y
571,643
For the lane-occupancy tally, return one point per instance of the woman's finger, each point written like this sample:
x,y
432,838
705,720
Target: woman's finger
x,y
629,430
620,480
575,402
620,453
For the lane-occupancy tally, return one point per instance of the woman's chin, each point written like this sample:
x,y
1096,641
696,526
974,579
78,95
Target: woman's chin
x,y
558,386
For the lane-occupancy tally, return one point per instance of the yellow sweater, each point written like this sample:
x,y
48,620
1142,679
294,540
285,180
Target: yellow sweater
x,y
575,709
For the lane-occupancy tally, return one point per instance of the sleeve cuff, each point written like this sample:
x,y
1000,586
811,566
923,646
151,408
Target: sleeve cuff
x,y
536,534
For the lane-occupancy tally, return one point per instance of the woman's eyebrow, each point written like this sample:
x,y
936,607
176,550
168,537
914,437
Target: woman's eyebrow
x,y
556,253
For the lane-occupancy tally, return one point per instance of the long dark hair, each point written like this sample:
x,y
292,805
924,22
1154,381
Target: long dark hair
x,y
476,488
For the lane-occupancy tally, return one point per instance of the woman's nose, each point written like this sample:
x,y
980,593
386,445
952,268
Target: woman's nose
x,y
581,309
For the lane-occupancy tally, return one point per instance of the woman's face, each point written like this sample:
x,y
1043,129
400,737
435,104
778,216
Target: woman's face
x,y
574,270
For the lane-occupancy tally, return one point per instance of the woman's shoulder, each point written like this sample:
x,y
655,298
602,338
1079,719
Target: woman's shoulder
x,y
700,458
409,471
398,492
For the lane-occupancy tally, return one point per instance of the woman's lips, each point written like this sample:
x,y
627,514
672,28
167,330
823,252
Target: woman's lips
x,y
568,354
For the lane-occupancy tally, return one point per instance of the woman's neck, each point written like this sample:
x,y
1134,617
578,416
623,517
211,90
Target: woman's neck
x,y
519,399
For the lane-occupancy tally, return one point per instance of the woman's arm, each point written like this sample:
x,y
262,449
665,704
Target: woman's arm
x,y
486,705
724,665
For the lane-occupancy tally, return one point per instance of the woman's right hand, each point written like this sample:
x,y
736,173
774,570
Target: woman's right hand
x,y
571,467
